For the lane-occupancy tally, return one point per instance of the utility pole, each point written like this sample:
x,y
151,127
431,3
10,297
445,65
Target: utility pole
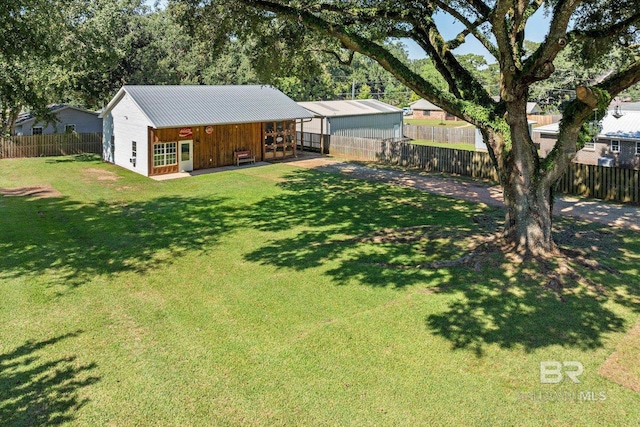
x,y
353,90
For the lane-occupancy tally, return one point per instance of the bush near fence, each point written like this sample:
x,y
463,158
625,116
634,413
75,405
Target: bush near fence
x,y
614,184
50,145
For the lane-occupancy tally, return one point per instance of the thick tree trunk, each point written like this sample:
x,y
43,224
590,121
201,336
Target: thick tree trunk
x,y
527,195
528,218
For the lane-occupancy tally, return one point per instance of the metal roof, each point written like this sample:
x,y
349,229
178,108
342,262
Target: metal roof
x,y
625,127
356,107
198,105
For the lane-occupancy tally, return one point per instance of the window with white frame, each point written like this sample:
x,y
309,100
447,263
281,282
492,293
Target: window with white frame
x,y
615,146
638,148
69,128
134,152
36,130
165,154
590,145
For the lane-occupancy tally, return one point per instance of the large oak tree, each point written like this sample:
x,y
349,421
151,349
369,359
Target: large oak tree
x,y
592,26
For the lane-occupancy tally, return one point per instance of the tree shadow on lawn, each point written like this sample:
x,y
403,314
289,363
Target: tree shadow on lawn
x,y
68,242
336,217
34,391
370,233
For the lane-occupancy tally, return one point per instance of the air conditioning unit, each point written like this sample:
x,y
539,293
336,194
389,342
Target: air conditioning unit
x,y
606,162
133,161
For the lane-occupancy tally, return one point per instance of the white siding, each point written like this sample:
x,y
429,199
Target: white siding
x,y
122,125
312,126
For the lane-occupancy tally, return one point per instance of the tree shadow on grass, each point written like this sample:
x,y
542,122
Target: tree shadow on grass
x,y
335,215
84,157
36,391
343,224
515,304
70,242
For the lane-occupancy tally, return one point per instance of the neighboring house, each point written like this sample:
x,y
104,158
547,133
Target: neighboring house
x,y
617,142
479,141
67,119
423,109
532,108
154,130
361,118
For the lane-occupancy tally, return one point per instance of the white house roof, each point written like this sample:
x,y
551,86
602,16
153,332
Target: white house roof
x,y
357,107
423,104
625,127
197,105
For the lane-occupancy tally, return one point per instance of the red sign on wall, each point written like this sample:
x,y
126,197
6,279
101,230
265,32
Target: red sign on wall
x,y
185,132
209,130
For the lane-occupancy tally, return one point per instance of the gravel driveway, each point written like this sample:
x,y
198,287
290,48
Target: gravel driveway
x,y
618,215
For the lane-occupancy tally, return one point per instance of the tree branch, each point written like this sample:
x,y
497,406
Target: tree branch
x,y
470,28
577,112
610,31
539,66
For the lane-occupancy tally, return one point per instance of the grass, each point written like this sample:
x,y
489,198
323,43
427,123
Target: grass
x,y
256,297
460,146
436,122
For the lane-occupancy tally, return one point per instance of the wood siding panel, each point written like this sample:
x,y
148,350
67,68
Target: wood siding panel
x,y
240,137
214,149
162,135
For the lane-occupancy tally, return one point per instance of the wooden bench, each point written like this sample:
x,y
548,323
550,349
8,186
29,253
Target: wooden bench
x,y
243,156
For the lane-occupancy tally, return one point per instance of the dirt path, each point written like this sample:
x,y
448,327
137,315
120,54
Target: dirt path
x,y
624,216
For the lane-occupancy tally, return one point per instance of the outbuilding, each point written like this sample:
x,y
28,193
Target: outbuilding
x,y
362,118
154,130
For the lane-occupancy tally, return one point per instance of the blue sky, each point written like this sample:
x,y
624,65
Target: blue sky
x,y
536,31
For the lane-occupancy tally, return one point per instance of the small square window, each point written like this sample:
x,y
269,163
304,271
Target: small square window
x,y
615,146
69,128
37,130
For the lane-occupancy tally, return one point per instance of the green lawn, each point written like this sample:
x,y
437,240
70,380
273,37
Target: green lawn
x,y
468,147
435,122
269,296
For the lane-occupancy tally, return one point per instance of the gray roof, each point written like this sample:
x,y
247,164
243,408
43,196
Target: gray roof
x,y
423,104
356,107
625,127
54,108
197,105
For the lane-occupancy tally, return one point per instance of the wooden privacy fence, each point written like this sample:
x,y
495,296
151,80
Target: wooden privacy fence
x,y
463,135
614,184
544,119
617,184
50,145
